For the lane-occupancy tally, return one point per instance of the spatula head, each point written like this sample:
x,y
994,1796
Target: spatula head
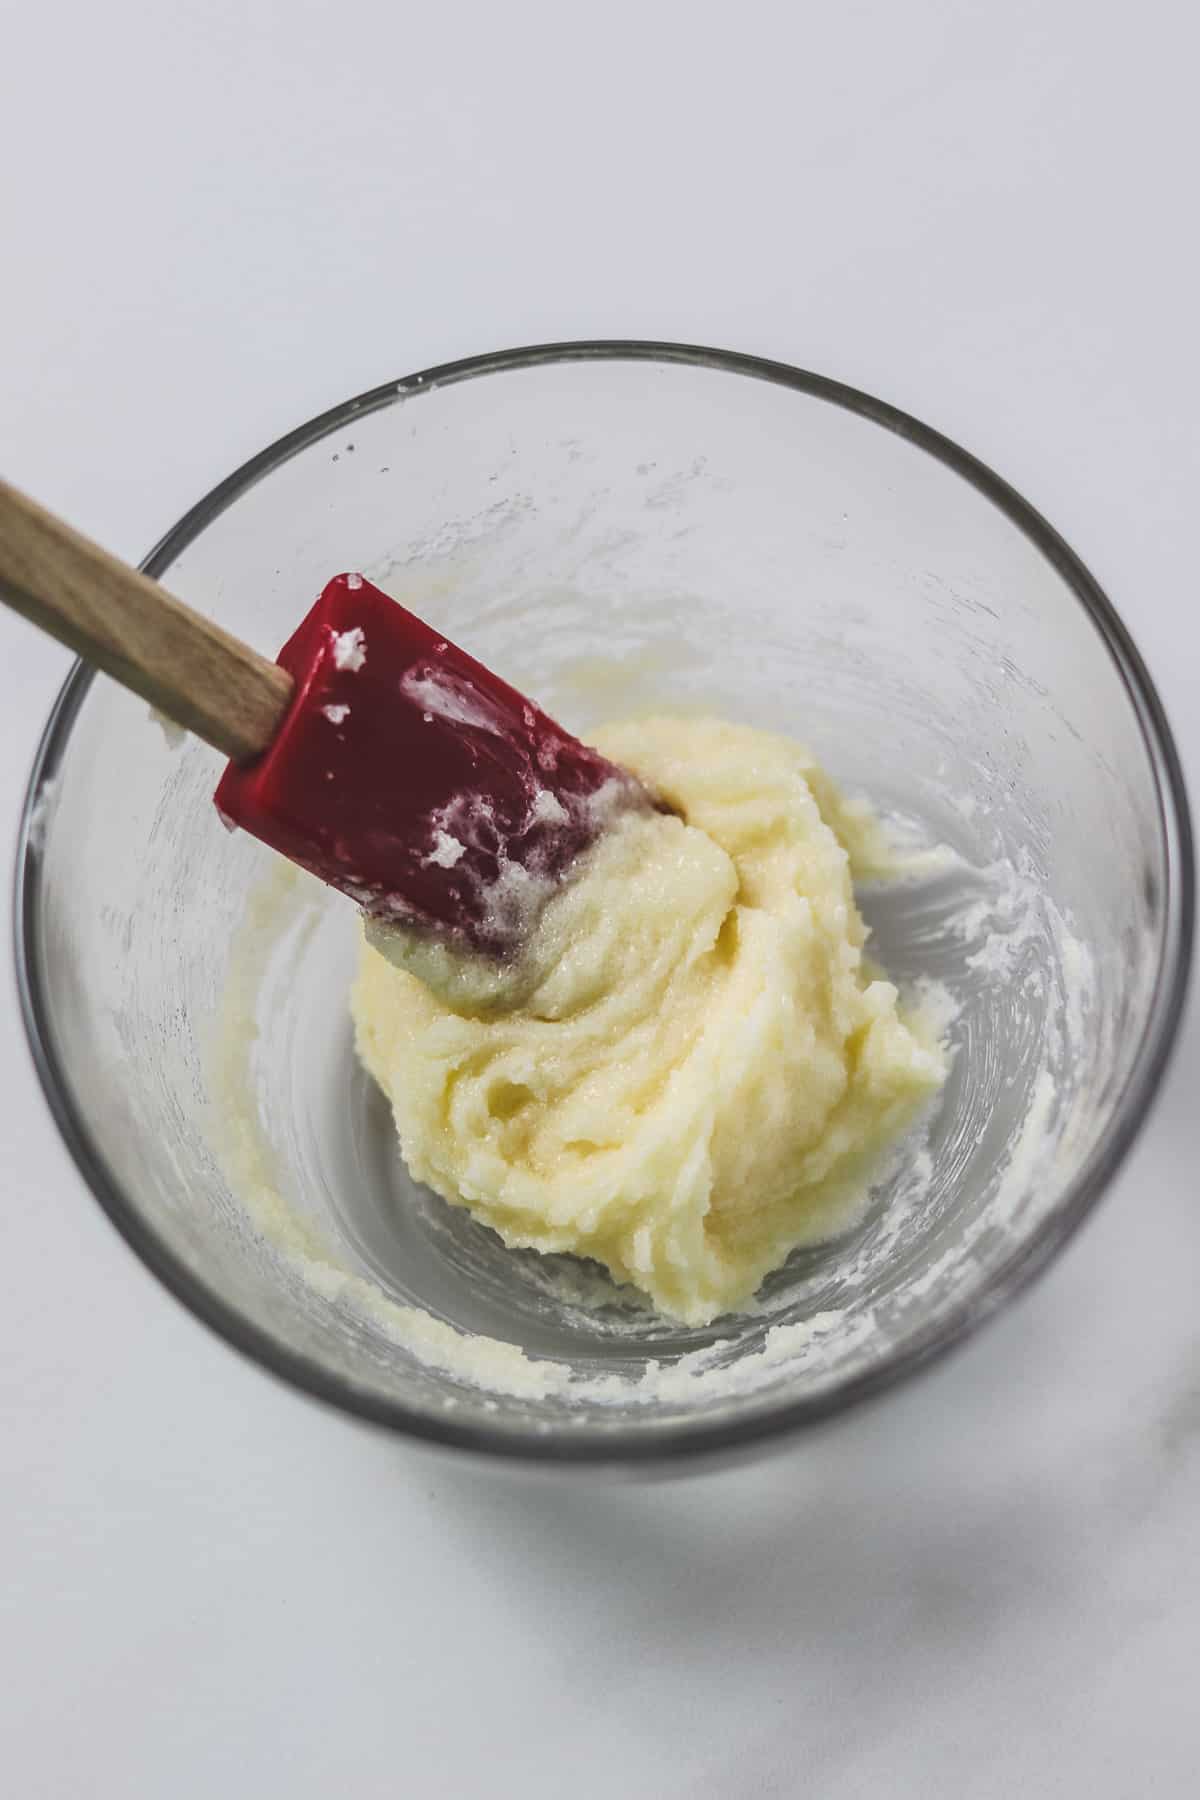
x,y
410,777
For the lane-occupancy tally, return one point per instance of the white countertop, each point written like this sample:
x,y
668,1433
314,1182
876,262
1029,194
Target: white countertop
x,y
232,217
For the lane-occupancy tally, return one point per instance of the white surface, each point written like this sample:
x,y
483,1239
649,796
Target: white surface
x,y
233,216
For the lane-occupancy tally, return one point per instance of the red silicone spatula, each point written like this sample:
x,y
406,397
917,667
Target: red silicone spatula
x,y
374,752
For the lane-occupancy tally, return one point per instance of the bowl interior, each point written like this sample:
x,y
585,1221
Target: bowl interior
x,y
616,533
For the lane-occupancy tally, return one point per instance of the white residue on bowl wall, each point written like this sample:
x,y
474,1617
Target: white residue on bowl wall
x,y
174,734
41,813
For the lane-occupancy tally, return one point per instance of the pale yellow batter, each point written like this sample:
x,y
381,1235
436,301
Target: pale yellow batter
x,y
692,1071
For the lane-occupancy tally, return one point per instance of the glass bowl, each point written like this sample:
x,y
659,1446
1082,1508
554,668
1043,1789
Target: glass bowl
x,y
617,527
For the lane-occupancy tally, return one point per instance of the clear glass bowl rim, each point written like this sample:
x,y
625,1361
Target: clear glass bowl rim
x,y
712,1440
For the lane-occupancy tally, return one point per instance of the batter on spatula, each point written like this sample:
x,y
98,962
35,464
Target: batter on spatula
x,y
688,1070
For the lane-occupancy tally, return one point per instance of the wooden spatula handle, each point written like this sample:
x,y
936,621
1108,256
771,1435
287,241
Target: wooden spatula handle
x,y
131,628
